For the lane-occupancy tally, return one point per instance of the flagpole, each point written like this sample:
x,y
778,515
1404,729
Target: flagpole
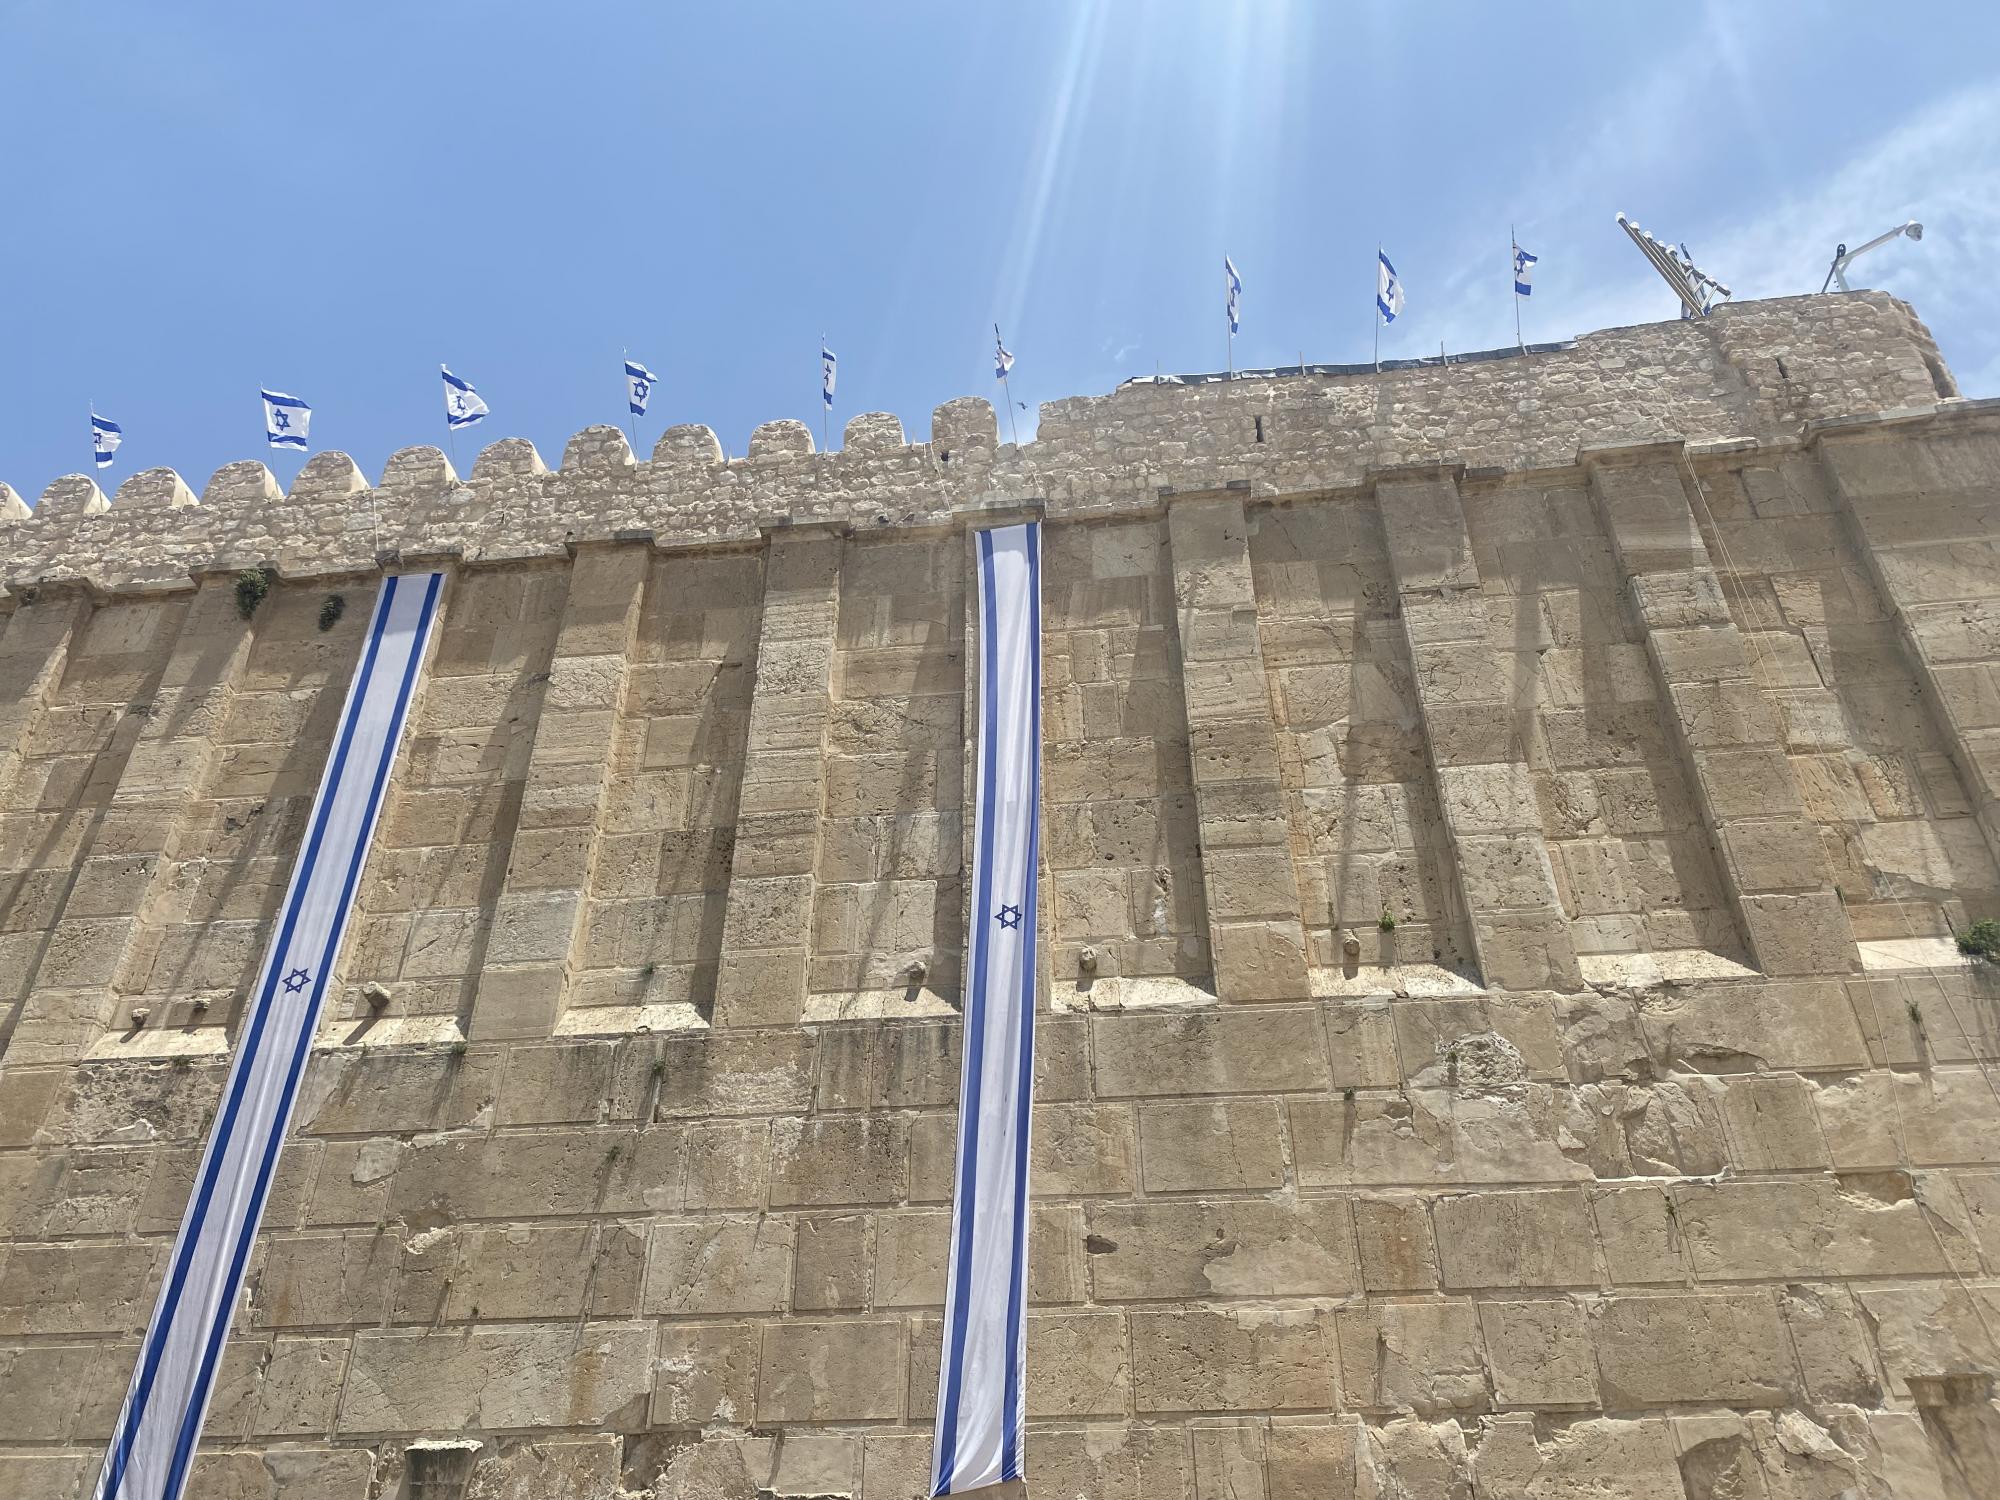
x,y
1378,311
631,417
1514,259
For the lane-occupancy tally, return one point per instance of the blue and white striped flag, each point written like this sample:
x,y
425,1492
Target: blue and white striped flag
x,y
1002,360
153,1443
981,1410
462,406
638,387
105,436
1234,295
827,368
1388,288
287,420
1524,268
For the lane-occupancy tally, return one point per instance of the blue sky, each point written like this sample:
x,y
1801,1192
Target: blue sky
x,y
331,200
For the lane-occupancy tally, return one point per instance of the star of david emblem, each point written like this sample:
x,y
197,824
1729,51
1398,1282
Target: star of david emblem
x,y
280,419
1009,917
296,981
641,389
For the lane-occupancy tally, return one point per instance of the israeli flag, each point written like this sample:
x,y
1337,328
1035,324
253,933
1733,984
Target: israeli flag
x,y
287,420
1002,360
462,406
982,1386
638,387
827,366
1524,267
1235,294
105,436
1388,288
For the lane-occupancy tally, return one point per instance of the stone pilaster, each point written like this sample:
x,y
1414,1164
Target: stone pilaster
x,y
34,649
100,950
767,925
538,920
1728,730
1255,933
1478,743
1924,527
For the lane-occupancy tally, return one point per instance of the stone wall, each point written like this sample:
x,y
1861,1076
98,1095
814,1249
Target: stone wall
x,y
1506,825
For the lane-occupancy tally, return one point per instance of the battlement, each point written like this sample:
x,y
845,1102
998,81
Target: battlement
x,y
1757,369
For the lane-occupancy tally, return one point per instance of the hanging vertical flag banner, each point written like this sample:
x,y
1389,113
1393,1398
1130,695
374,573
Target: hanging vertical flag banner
x,y
828,367
1524,268
980,1412
638,387
105,436
462,406
287,420
153,1443
1233,294
1003,362
1388,289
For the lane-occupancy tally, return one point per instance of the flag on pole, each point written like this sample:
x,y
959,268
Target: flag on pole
x,y
638,387
287,420
827,366
462,406
1388,289
1524,268
1002,360
981,1411
1234,299
105,436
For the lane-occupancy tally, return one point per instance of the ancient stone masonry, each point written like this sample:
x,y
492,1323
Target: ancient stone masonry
x,y
1506,829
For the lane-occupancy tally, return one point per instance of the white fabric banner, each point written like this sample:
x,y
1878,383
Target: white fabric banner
x,y
981,1414
153,1445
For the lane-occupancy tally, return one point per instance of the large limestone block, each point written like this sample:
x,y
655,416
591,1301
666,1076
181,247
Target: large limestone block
x,y
1220,1052
708,1266
1242,1359
1515,1239
1425,1357
1238,1248
1657,1350
1220,1145
839,1159
1540,1353
831,1372
514,1376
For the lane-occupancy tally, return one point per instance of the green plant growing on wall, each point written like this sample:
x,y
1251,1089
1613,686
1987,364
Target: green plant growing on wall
x,y
1387,921
252,584
331,610
1981,940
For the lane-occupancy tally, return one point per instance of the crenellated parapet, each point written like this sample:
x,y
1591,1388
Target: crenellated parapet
x,y
1752,370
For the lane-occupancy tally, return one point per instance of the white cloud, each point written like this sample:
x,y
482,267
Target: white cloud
x,y
1940,165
